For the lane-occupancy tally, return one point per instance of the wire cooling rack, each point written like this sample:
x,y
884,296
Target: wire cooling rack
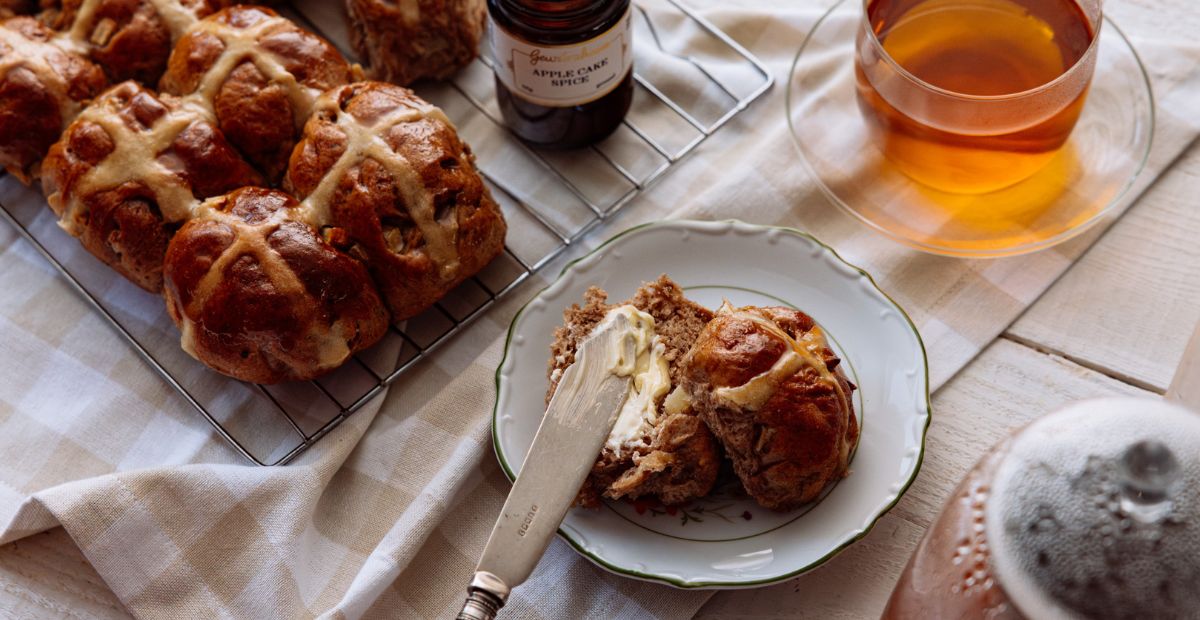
x,y
691,79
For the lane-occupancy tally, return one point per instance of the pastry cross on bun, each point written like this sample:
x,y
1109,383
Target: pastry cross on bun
x,y
42,89
772,391
260,296
387,177
131,169
394,214
668,452
130,39
260,74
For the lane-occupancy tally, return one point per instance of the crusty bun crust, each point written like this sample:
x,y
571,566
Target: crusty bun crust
x,y
130,39
122,202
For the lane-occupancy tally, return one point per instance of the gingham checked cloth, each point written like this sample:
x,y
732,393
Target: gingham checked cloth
x,y
386,517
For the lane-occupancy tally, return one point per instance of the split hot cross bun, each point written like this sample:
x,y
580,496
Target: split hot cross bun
x,y
260,74
670,453
260,296
766,383
42,89
131,169
391,183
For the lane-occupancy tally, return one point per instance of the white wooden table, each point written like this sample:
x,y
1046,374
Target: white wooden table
x,y
1116,323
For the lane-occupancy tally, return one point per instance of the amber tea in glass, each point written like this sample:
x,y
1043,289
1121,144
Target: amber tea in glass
x,y
971,96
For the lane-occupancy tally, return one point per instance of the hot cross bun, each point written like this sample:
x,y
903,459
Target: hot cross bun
x,y
42,89
390,182
260,296
260,75
386,211
131,169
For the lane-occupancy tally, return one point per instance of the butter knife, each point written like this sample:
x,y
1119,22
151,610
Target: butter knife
x,y
579,418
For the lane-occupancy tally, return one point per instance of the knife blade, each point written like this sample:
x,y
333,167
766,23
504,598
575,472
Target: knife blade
x,y
579,418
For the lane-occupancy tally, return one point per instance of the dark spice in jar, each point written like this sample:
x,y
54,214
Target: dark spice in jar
x,y
564,68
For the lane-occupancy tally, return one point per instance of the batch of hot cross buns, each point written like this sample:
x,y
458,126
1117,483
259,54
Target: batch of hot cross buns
x,y
287,209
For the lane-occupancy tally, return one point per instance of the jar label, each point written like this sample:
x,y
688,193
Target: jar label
x,y
564,75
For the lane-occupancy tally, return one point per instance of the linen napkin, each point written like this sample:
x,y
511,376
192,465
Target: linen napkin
x,y
387,515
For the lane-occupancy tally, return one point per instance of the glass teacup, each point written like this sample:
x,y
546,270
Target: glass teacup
x,y
972,96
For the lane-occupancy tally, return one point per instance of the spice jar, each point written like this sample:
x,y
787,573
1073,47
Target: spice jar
x,y
564,68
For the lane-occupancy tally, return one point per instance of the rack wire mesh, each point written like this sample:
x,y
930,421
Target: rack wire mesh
x,y
690,80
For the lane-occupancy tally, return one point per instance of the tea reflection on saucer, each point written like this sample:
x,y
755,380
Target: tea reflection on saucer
x,y
1081,184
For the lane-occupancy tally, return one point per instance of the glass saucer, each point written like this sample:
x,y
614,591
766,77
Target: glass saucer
x,y
1082,184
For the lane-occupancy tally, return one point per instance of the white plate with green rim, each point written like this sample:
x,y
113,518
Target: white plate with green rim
x,y
726,540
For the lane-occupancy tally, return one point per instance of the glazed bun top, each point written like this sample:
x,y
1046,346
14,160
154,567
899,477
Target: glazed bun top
x,y
260,296
130,39
129,135
131,169
389,172
42,88
374,124
747,354
772,391
260,75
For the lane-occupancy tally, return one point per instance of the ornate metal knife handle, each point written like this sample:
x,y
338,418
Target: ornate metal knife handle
x,y
485,596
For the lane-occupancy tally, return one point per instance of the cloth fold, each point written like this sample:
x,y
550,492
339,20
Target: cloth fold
x,y
387,515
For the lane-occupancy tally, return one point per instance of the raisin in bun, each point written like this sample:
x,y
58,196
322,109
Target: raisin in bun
x,y
129,39
389,181
42,89
260,74
406,41
261,297
771,390
131,169
669,453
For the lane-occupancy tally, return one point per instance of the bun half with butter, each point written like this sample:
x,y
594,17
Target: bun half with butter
x,y
771,390
658,446
760,385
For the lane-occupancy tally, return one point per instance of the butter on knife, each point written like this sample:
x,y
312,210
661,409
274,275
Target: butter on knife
x,y
577,422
